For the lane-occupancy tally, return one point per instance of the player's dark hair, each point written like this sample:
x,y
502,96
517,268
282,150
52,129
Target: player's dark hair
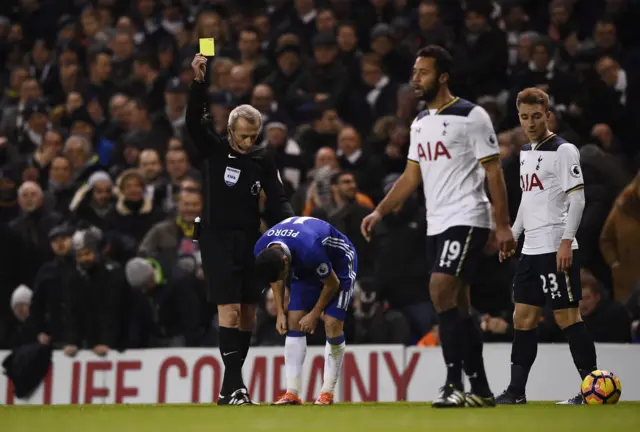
x,y
268,265
335,178
441,56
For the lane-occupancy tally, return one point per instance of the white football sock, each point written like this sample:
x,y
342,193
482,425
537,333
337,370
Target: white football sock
x,y
333,356
295,349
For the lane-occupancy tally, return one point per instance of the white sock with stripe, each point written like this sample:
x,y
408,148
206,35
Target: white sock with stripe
x,y
295,349
333,357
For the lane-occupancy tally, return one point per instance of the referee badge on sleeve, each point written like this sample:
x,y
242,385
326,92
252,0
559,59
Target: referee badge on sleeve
x,y
231,176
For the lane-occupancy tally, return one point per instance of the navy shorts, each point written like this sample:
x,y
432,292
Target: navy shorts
x,y
305,295
457,251
537,281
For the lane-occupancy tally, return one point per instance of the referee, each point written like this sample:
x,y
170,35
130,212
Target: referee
x,y
234,172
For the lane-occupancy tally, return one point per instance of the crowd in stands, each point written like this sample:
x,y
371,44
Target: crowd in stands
x,y
100,184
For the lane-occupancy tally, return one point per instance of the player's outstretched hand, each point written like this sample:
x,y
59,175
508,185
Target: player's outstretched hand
x,y
368,223
308,322
199,66
281,323
504,237
564,258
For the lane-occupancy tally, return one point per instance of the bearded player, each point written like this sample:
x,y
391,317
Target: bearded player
x,y
453,148
549,214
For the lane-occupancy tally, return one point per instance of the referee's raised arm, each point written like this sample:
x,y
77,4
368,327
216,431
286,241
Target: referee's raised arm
x,y
197,108
234,173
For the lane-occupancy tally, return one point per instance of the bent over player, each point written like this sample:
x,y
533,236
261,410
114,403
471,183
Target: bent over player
x,y
452,148
321,264
549,213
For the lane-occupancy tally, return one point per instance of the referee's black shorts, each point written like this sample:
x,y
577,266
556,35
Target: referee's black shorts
x,y
227,261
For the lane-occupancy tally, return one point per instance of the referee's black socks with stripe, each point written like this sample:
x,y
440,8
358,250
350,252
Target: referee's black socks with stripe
x,y
473,361
452,341
582,348
523,353
231,349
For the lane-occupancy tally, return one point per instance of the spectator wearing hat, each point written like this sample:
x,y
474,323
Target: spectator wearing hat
x,y
165,313
133,214
21,329
286,151
33,226
9,180
51,290
93,200
99,299
397,62
481,56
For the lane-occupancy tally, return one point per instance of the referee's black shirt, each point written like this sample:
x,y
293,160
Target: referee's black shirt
x,y
232,181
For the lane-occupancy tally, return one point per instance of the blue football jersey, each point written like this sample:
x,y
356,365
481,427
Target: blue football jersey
x,y
316,248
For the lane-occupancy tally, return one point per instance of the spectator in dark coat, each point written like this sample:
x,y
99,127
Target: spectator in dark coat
x,y
33,226
166,313
51,289
606,319
366,167
399,248
60,184
99,299
376,97
21,328
481,57
133,215
9,179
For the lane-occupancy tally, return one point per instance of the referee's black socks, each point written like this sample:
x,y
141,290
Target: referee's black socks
x,y
231,349
582,348
452,341
245,342
523,353
473,361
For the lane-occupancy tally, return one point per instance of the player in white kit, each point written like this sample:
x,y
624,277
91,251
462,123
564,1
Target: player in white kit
x,y
549,214
453,148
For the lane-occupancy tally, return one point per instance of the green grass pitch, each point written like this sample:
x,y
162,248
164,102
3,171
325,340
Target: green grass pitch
x,y
340,417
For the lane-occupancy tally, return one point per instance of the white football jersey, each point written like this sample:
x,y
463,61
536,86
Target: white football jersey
x,y
549,172
450,145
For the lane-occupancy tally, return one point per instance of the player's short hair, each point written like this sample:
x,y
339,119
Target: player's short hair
x,y
533,96
442,58
268,265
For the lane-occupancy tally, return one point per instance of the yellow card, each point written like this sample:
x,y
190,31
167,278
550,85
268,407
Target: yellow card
x,y
207,47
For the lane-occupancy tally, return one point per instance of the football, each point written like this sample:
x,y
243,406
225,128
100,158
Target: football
x,y
601,387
